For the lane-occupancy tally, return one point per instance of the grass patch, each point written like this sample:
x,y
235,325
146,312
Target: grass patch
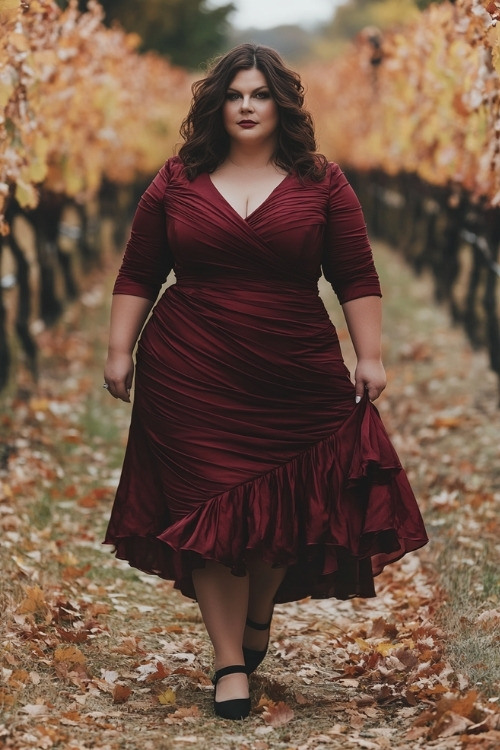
x,y
95,423
41,512
468,615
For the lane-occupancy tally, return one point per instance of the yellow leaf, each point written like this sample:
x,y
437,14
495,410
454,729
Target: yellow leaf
x,y
26,195
73,181
385,648
36,169
167,697
364,645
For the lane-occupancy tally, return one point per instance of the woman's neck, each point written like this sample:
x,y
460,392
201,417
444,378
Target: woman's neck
x,y
250,159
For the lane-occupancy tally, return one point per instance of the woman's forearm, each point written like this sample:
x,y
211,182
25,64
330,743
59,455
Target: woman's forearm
x,y
128,315
364,321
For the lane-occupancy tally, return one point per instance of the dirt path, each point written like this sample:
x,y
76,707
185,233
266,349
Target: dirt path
x,y
97,655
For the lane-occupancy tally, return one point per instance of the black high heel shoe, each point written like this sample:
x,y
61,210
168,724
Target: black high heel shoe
x,y
253,657
235,709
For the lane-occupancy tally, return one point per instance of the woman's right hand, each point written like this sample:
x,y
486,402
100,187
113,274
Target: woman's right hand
x,y
119,375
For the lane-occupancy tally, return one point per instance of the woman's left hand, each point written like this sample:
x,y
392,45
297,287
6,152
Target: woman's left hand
x,y
369,376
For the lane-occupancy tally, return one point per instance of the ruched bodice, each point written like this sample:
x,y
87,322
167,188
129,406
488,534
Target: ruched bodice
x,y
245,433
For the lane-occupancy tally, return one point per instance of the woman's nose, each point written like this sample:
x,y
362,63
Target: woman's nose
x,y
246,103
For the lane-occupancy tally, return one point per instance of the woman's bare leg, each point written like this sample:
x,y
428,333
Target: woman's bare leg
x,y
264,581
223,601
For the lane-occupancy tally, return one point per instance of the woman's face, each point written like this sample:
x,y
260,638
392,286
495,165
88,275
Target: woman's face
x,y
250,114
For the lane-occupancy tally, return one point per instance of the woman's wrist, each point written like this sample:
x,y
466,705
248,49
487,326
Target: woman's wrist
x,y
373,359
120,351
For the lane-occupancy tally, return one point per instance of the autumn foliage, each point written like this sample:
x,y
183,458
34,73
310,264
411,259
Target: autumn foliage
x,y
78,103
422,99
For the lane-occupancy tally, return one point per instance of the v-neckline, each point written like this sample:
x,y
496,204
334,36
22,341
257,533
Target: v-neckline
x,y
266,199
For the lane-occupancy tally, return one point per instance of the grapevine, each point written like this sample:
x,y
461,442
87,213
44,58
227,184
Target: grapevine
x,y
78,104
425,99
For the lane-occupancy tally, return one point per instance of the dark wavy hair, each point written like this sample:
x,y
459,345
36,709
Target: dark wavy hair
x,y
206,143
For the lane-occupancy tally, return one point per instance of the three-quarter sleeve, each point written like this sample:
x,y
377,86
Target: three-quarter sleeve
x,y
347,257
147,260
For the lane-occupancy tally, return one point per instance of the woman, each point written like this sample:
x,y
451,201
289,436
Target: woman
x,y
256,472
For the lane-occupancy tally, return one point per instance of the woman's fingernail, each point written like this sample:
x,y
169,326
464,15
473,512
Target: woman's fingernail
x,y
358,399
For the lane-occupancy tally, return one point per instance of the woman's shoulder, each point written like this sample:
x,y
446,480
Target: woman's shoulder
x,y
331,178
333,171
335,179
173,168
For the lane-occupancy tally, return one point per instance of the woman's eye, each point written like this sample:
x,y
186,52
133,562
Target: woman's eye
x,y
263,95
231,96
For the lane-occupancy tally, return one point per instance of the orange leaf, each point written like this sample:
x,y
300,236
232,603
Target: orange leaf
x,y
464,706
186,713
18,678
6,699
160,673
34,601
98,609
450,422
277,714
121,693
129,645
72,572
70,654
72,716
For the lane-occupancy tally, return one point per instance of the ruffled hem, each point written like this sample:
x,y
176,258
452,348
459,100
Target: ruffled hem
x,y
335,515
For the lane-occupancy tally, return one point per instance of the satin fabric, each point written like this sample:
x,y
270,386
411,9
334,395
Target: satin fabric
x,y
245,434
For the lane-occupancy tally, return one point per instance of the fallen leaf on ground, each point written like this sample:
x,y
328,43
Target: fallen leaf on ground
x,y
121,693
167,697
277,714
70,654
35,709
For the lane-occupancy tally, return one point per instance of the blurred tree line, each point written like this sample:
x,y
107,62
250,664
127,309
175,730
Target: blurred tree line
x,y
300,44
189,32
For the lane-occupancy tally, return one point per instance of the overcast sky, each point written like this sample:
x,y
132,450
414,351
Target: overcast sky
x,y
267,13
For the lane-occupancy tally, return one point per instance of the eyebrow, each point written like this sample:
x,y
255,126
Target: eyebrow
x,y
259,88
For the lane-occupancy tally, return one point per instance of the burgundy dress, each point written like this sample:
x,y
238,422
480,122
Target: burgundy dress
x,y
245,434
